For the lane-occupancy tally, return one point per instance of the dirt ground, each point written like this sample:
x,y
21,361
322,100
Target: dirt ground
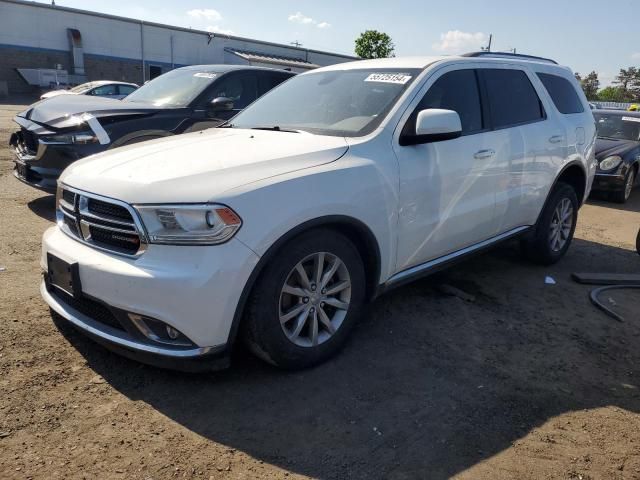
x,y
522,380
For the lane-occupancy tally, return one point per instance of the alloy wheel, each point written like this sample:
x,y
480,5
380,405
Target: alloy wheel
x,y
628,186
561,224
314,299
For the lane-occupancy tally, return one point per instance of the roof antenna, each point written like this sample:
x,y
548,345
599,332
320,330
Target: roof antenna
x,y
488,47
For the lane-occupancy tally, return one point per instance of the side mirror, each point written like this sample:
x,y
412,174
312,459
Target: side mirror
x,y
221,104
434,125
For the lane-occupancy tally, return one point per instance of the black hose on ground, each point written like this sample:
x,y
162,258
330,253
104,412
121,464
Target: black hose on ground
x,y
597,291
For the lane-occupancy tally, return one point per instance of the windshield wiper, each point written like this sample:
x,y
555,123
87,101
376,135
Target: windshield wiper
x,y
226,124
276,128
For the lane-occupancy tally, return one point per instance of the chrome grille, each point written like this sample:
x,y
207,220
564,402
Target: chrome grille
x,y
27,142
103,223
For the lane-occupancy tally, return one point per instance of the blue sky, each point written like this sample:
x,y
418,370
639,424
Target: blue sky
x,y
574,32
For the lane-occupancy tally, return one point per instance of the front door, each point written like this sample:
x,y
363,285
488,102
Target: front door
x,y
447,188
241,87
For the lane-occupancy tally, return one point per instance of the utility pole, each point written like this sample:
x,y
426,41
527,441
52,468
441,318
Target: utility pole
x,y
296,44
488,47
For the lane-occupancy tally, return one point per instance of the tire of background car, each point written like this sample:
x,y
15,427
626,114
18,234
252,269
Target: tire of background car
x,y
621,196
554,231
306,301
137,137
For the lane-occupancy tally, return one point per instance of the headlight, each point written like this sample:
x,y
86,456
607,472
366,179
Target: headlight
x,y
203,224
69,138
610,163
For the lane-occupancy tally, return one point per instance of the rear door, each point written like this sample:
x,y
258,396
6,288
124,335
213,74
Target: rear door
x,y
532,142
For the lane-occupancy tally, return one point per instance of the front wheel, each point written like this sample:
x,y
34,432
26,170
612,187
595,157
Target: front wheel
x,y
555,228
306,301
623,195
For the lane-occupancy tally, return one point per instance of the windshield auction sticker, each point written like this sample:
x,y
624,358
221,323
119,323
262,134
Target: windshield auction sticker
x,y
205,75
399,78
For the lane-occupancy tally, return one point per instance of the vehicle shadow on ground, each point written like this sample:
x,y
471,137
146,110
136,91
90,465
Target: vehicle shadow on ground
x,y
44,207
429,386
602,200
22,100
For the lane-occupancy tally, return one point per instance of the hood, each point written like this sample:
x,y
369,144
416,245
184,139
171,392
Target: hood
x,y
606,147
58,112
200,166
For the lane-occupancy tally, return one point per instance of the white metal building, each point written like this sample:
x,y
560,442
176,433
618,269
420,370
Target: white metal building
x,y
39,40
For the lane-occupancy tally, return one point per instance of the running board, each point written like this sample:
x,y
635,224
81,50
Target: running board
x,y
440,263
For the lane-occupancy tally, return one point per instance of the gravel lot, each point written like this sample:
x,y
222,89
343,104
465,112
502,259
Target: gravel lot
x,y
519,380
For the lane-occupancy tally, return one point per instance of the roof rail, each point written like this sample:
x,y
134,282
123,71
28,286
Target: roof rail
x,y
508,55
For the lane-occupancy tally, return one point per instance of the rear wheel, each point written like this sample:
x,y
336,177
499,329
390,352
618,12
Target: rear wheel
x,y
554,232
621,196
306,301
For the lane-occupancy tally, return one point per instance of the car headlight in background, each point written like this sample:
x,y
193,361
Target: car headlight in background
x,y
201,224
610,163
70,138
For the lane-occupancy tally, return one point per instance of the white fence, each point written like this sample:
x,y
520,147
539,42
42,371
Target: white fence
x,y
613,105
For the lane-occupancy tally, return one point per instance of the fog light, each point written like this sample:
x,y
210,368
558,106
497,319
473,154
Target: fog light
x,y
172,333
158,331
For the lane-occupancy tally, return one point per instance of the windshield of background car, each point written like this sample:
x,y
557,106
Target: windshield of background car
x,y
82,87
619,127
338,102
177,88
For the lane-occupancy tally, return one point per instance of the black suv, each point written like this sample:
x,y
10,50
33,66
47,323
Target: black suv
x,y
60,130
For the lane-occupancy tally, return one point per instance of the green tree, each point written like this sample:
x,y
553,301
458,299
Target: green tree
x,y
613,94
591,85
626,78
374,44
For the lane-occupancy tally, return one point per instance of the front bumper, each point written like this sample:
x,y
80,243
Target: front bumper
x,y
41,168
193,289
608,182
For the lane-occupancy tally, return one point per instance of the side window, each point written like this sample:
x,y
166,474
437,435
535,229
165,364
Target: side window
x,y
126,89
269,80
512,98
104,90
458,91
562,93
242,89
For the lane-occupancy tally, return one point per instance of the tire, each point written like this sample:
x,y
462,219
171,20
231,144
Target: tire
x,y
300,308
551,239
621,196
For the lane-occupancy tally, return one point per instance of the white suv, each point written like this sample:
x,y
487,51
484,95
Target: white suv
x,y
334,187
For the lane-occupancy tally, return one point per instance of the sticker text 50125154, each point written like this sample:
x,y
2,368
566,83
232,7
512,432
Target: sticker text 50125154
x,y
399,78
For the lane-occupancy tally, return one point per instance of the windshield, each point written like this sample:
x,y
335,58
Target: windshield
x,y
177,88
338,102
618,126
82,87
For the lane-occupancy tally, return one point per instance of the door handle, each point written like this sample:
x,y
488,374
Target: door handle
x,y
557,139
484,154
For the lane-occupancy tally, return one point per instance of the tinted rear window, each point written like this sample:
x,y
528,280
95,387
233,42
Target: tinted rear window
x,y
562,93
512,98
